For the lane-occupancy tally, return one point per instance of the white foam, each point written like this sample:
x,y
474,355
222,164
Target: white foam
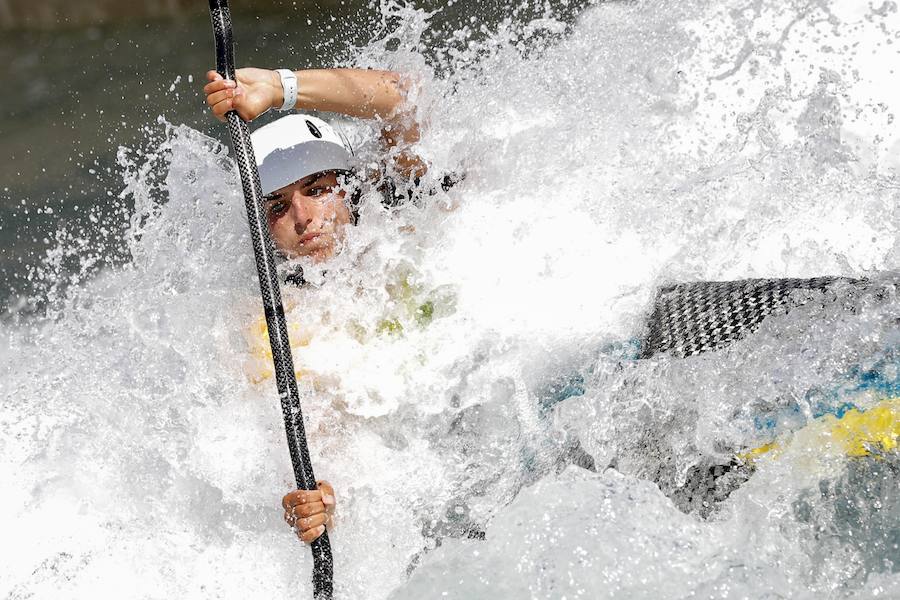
x,y
141,462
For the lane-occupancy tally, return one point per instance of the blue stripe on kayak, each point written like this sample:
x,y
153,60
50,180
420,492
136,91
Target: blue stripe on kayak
x,y
882,379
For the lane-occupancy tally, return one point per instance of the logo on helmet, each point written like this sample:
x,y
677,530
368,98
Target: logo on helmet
x,y
313,129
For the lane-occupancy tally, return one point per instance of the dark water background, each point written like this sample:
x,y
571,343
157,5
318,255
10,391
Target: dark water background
x,y
74,95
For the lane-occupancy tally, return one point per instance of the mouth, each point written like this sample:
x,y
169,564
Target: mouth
x,y
308,237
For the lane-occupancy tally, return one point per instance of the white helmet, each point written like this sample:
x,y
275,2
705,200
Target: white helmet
x,y
296,146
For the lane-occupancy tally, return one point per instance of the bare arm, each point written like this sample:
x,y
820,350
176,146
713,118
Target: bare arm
x,y
366,94
360,93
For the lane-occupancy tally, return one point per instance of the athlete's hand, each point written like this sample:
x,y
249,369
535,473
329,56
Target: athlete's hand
x,y
309,513
256,91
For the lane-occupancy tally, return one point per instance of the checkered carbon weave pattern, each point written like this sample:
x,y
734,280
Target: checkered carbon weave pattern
x,y
691,318
263,250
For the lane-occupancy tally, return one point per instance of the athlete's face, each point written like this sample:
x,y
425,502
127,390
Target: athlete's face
x,y
307,217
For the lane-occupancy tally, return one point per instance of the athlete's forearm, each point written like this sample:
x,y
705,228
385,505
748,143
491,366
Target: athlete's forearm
x,y
366,94
362,93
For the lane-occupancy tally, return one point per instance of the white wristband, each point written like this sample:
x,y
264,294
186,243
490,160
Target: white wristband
x,y
289,87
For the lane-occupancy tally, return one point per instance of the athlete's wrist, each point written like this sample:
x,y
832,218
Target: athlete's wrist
x,y
277,91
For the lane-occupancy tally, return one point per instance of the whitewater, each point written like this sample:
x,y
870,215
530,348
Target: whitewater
x,y
643,144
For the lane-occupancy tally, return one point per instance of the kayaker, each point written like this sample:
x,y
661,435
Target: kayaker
x,y
308,177
305,165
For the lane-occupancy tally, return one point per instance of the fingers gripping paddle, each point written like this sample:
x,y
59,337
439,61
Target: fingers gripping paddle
x,y
271,296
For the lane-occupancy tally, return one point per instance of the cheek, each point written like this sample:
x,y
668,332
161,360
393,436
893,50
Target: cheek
x,y
281,229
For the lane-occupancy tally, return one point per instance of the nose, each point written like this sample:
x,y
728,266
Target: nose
x,y
301,213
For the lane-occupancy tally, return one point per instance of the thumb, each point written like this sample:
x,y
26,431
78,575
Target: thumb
x,y
243,105
327,490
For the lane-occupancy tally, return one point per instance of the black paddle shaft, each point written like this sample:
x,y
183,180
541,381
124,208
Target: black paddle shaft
x,y
271,295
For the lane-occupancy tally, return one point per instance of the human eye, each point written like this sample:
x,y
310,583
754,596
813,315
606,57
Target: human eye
x,y
277,207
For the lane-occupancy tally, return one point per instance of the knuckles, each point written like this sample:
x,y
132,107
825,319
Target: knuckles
x,y
307,510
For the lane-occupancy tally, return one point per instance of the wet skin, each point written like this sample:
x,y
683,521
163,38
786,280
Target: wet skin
x,y
309,513
307,217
